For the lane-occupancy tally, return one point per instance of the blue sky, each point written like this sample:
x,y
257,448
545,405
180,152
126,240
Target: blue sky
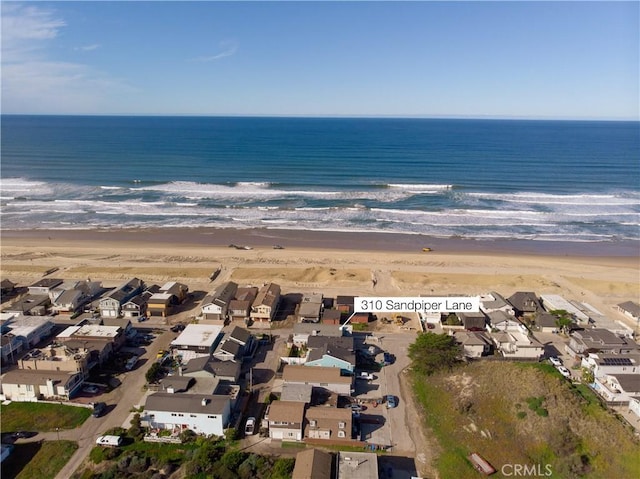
x,y
431,59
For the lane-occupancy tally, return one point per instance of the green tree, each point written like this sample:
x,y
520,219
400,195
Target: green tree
x,y
432,352
563,319
282,468
154,373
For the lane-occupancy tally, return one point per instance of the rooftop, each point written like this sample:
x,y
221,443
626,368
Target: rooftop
x,y
286,411
187,403
198,335
318,374
357,465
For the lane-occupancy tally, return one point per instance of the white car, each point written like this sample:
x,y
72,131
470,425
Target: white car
x,y
564,371
555,361
249,427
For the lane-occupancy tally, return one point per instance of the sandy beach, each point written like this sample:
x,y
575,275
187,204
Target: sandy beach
x,y
326,262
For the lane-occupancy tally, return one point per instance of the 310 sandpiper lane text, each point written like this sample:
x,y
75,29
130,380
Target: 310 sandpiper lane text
x,y
448,304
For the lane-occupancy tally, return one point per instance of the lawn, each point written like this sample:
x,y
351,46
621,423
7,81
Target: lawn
x,y
41,417
42,460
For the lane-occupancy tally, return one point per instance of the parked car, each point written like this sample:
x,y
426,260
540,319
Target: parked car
x,y
388,359
99,409
365,375
142,319
564,371
555,361
391,401
250,426
357,407
131,362
90,389
176,328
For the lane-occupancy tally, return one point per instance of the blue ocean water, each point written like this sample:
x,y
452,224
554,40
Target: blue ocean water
x,y
483,179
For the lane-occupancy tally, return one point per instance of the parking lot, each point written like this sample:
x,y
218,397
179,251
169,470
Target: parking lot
x,y
379,424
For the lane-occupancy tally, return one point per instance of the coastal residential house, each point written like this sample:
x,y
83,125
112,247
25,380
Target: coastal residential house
x,y
630,309
205,367
286,420
495,302
297,392
10,347
265,305
331,352
29,330
474,344
168,296
7,287
111,305
516,345
324,422
203,414
611,364
598,340
617,388
501,321
312,464
68,301
200,339
329,379
555,302
28,385
303,331
525,302
473,321
240,307
357,465
546,322
30,305
136,307
44,286
332,317
56,358
216,304
228,350
310,308
344,304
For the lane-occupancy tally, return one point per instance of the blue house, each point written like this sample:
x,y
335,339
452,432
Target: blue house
x,y
332,353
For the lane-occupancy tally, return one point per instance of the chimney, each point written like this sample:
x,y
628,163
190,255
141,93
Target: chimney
x,y
204,401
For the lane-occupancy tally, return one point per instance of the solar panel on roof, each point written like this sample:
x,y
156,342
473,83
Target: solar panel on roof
x,y
617,362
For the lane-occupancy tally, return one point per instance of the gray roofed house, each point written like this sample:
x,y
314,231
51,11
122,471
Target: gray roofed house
x,y
266,303
228,371
596,340
332,353
296,392
27,384
630,308
525,303
111,305
473,321
203,414
44,286
357,465
494,302
215,305
240,336
312,464
547,322
474,344
228,350
176,384
331,316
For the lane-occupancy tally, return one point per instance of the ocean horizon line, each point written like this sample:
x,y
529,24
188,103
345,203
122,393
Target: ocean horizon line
x,y
328,117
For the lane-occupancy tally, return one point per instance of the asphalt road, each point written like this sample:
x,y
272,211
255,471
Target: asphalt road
x,y
119,402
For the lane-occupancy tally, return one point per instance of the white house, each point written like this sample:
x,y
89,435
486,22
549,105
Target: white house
x,y
611,364
320,377
493,301
203,414
516,345
216,305
555,302
619,388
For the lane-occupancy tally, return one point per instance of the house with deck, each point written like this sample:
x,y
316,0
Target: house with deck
x,y
215,305
111,305
330,379
28,385
265,306
325,422
203,414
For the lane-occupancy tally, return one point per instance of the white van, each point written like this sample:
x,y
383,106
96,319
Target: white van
x,y
112,441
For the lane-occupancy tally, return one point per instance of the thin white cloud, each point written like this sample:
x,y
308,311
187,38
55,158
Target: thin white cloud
x,y
87,48
31,82
229,49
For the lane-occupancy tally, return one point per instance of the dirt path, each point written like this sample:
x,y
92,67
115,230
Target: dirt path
x,y
426,447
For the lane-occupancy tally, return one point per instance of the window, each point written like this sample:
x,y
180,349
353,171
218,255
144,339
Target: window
x,y
341,425
341,434
312,423
192,415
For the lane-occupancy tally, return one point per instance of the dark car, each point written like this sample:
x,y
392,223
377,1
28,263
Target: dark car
x,y
391,402
388,359
177,327
99,409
